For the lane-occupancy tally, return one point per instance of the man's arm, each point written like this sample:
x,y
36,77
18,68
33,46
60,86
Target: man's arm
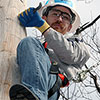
x,y
68,51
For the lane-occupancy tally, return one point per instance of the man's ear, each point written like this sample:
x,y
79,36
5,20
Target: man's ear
x,y
44,17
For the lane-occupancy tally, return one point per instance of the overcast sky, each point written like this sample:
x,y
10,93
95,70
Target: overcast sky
x,y
84,9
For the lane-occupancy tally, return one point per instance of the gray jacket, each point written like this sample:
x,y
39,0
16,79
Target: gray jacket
x,y
71,53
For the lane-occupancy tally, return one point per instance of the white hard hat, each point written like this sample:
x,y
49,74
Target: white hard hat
x,y
67,4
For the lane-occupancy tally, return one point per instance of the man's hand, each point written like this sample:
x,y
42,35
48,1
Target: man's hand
x,y
29,18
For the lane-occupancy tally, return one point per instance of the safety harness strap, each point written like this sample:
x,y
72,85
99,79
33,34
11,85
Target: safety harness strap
x,y
55,87
61,79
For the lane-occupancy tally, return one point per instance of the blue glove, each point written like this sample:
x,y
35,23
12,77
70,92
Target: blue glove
x,y
29,18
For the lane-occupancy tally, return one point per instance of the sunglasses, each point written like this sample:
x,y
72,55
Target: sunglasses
x,y
56,13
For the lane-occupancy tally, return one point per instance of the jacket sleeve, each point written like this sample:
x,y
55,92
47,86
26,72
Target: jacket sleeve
x,y
69,51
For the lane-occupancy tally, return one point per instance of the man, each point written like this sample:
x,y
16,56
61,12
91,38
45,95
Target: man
x,y
35,63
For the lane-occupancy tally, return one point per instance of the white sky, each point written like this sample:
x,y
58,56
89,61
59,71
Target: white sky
x,y
83,9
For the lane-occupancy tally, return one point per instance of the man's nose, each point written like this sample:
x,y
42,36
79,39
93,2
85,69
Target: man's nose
x,y
60,18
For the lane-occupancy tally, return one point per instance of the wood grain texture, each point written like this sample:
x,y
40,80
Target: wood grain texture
x,y
10,35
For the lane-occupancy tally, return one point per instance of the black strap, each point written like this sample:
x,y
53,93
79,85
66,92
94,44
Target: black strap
x,y
55,87
59,81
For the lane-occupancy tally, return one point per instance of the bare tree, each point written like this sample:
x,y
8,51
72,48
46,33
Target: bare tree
x,y
87,85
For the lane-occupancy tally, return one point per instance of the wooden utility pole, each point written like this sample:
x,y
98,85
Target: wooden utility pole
x,y
10,34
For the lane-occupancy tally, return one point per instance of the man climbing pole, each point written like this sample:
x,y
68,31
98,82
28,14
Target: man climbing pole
x,y
45,70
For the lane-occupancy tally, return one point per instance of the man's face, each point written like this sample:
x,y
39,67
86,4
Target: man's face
x,y
59,19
